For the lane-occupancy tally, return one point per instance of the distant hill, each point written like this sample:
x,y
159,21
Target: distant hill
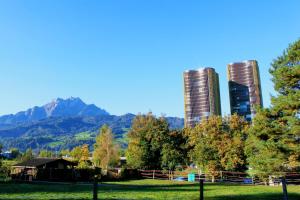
x,y
63,124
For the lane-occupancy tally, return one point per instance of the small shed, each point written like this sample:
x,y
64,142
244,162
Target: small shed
x,y
41,168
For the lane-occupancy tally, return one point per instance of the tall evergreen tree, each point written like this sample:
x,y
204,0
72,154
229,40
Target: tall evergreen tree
x,y
273,145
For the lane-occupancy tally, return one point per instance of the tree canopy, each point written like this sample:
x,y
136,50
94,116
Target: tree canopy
x,y
106,151
218,144
152,145
274,141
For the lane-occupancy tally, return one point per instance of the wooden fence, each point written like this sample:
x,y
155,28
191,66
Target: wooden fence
x,y
222,176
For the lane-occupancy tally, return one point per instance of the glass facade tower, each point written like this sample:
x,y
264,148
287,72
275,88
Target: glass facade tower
x,y
244,88
201,95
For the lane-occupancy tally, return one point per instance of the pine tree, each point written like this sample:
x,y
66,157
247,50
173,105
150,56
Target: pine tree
x,y
273,145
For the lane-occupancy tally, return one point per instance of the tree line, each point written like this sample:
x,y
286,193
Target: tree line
x,y
271,144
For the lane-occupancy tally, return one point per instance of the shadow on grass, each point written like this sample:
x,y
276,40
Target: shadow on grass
x,y
77,191
276,196
25,188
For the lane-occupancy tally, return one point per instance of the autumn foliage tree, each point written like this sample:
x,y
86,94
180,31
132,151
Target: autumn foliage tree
x,y
218,144
76,153
81,155
106,151
84,157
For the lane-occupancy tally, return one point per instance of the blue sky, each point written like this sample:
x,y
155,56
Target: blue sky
x,y
129,56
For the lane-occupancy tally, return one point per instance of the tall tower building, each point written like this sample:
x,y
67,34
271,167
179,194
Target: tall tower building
x,y
201,95
244,88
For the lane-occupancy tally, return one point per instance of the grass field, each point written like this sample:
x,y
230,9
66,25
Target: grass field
x,y
144,189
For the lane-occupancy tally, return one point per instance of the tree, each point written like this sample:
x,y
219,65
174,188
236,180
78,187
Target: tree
x,y
46,154
15,153
218,144
76,153
64,152
146,138
84,159
273,145
174,150
232,144
0,156
205,141
105,149
28,155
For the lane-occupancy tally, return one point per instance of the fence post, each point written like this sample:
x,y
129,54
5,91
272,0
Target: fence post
x,y
95,188
221,173
153,176
284,189
97,175
201,188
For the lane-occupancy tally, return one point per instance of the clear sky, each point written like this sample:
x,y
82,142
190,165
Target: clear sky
x,y
129,55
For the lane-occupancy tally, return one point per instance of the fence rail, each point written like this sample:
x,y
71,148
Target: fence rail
x,y
222,176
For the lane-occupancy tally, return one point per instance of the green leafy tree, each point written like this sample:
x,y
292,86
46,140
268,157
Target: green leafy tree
x,y
232,143
76,153
273,145
174,150
15,153
46,154
28,155
0,157
146,138
5,170
64,152
106,151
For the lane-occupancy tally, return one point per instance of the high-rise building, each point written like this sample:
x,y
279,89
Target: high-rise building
x,y
244,88
201,95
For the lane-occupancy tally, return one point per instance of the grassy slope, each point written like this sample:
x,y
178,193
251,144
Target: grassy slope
x,y
143,189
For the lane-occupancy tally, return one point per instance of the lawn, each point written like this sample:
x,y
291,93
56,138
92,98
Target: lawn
x,y
144,189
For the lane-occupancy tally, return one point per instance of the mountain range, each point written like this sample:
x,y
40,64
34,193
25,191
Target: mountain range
x,y
64,124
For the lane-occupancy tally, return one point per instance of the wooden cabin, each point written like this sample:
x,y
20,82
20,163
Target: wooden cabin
x,y
43,169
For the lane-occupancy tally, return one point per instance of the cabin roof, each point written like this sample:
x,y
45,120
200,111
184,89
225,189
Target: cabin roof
x,y
36,162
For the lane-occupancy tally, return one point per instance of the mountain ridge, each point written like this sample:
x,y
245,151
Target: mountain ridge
x,y
62,128
56,108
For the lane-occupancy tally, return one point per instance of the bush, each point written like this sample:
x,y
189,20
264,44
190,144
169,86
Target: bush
x,y
5,170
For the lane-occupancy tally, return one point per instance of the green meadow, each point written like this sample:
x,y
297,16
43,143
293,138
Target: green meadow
x,y
143,189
